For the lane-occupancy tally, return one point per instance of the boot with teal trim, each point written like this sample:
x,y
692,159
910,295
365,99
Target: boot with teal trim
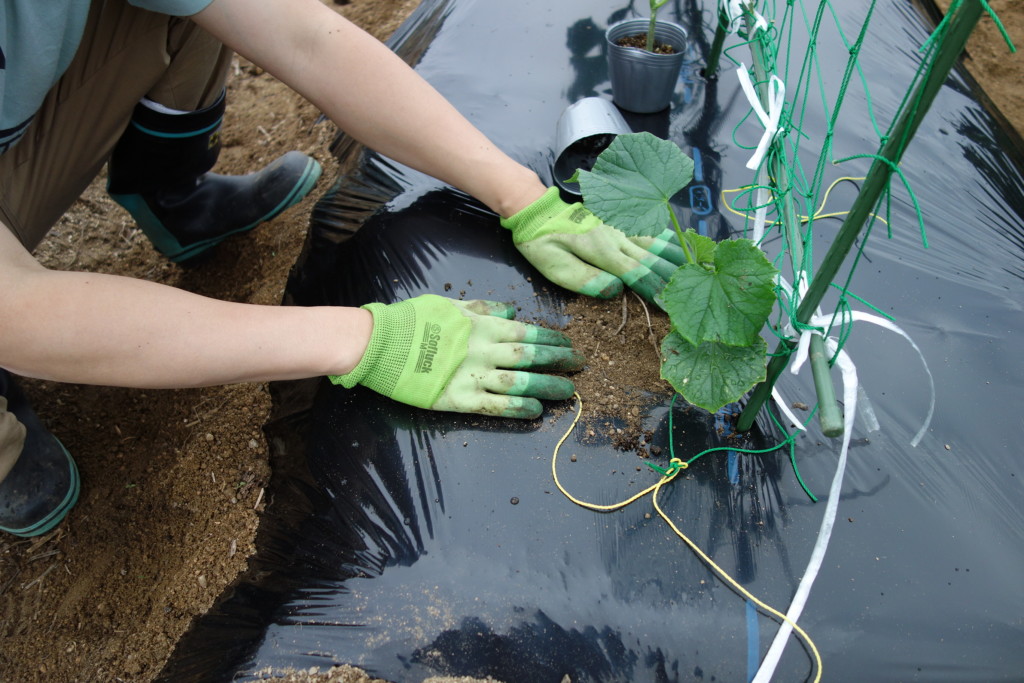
x,y
159,172
42,487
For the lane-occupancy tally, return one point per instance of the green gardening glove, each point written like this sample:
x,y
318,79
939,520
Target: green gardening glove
x,y
463,356
573,248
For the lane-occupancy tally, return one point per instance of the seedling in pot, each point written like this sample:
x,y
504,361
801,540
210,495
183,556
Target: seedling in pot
x,y
718,302
648,41
655,6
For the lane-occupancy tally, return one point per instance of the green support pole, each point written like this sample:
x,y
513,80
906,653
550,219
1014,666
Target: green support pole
x,y
829,415
961,25
711,70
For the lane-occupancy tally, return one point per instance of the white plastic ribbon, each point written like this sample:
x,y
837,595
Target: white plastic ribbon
x,y
796,607
852,316
761,213
851,391
769,119
734,10
784,407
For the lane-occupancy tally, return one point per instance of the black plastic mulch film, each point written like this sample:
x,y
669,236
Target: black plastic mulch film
x,y
391,540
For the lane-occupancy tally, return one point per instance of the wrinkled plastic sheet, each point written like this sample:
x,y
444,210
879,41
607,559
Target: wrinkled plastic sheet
x,y
414,544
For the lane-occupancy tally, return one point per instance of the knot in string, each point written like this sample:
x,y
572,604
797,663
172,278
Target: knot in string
x,y
674,467
806,327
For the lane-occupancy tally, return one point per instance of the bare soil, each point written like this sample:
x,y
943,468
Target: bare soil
x,y
173,480
621,341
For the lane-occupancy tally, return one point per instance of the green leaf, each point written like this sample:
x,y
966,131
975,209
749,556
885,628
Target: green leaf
x,y
711,375
633,180
727,303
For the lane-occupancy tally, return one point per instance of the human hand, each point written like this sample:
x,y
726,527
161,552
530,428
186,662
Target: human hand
x,y
573,248
462,356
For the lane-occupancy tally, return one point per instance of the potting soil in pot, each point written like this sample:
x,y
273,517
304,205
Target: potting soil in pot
x,y
414,544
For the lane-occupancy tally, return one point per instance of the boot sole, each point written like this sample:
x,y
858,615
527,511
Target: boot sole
x,y
167,245
57,515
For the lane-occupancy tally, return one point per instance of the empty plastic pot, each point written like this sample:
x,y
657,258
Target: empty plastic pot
x,y
584,130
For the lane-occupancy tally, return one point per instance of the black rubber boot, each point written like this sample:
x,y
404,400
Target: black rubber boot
x,y
43,485
159,173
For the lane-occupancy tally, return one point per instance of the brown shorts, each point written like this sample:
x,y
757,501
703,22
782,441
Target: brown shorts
x,y
126,54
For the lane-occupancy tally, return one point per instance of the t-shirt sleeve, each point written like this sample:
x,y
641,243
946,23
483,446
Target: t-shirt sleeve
x,y
176,8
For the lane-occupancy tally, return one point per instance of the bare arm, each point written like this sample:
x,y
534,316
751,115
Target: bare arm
x,y
371,94
104,329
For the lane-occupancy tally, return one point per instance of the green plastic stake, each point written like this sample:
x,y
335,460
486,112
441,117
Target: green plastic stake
x,y
829,415
711,69
961,25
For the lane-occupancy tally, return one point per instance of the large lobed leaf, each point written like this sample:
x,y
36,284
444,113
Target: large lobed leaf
x,y
711,375
633,180
727,301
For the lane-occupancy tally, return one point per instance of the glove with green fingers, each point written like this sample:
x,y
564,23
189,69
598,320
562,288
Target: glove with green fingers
x,y
462,356
573,248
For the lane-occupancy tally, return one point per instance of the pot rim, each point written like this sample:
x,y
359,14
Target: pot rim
x,y
642,23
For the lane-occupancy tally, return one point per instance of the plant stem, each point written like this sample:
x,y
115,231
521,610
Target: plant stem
x,y
961,25
655,6
682,241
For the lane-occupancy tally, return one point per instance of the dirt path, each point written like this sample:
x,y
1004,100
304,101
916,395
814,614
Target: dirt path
x,y
173,480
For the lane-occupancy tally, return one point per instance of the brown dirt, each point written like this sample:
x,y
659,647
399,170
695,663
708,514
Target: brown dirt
x,y
989,60
640,40
621,341
173,480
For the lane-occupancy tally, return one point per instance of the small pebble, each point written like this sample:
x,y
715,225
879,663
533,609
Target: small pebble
x,y
515,500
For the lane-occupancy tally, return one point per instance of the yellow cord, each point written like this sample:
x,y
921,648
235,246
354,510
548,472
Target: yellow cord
x,y
803,219
679,465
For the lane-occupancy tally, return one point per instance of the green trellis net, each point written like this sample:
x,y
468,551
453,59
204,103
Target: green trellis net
x,y
795,167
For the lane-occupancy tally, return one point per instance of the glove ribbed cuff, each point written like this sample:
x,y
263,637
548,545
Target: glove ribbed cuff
x,y
528,223
390,341
414,350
